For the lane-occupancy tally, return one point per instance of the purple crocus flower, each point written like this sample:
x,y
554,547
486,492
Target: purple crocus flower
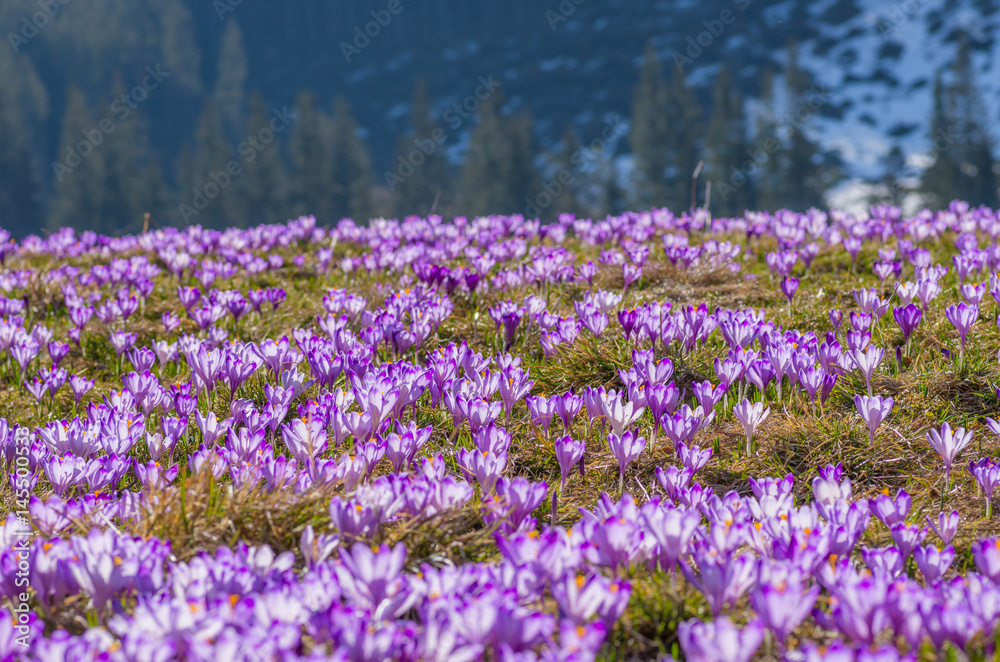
x,y
867,362
630,274
949,444
723,578
933,562
783,601
673,529
873,410
750,417
486,466
987,475
887,561
628,319
520,497
946,526
835,652
888,510
719,640
707,395
986,554
542,410
693,457
908,318
569,454
371,576
789,286
122,341
567,407
620,414
188,296
962,317
57,351
836,318
79,385
626,447
907,537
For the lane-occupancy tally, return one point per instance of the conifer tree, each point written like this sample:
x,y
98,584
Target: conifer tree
x,y
939,181
211,153
976,178
522,174
80,187
683,120
803,174
20,198
125,153
260,192
311,167
499,175
568,174
420,163
893,190
229,94
351,179
648,136
726,151
767,151
486,171
614,197
183,179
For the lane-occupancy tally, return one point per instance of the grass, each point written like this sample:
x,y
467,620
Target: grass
x,y
204,514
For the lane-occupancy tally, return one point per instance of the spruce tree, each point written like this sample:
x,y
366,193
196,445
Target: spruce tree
x,y
569,176
210,156
648,136
123,203
499,175
767,151
350,179
803,174
963,167
79,185
260,193
184,181
310,161
20,198
683,132
229,94
893,190
154,196
976,178
522,174
726,150
939,181
614,197
420,163
486,171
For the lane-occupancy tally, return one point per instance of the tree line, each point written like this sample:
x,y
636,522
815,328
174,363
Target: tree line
x,y
248,162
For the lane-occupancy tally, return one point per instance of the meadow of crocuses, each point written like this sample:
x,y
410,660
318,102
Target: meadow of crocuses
x,y
654,435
